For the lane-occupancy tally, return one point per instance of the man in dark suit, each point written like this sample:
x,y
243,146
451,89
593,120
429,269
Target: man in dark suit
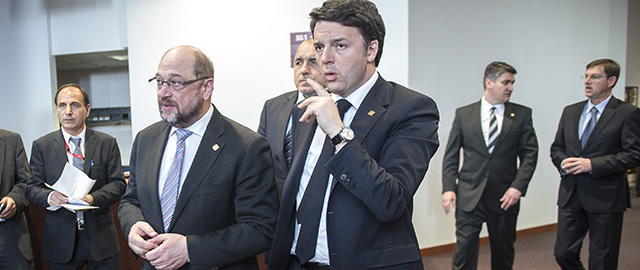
x,y
201,194
597,141
72,240
500,155
352,209
15,242
275,120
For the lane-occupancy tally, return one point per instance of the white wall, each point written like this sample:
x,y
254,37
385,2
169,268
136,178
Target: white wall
x,y
549,42
249,48
26,69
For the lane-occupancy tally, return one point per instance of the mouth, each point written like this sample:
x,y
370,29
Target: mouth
x,y
330,76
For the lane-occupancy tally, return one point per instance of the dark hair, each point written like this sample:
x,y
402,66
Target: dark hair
x,y
85,96
361,14
611,68
495,69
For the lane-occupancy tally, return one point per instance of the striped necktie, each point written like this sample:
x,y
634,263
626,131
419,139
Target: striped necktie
x,y
169,195
493,130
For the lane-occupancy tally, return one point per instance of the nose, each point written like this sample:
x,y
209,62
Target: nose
x,y
305,69
68,110
164,90
326,56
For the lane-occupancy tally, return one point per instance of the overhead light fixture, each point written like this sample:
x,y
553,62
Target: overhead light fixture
x,y
119,57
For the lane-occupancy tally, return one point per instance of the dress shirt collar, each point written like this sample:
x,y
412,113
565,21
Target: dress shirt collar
x,y
68,136
600,106
357,96
485,107
200,126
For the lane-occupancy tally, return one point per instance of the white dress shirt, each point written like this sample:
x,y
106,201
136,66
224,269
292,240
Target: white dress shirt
x,y
485,114
191,147
322,246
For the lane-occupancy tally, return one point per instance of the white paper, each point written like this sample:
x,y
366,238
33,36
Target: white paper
x,y
74,184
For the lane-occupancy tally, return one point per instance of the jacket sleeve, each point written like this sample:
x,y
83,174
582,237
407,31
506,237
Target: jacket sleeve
x,y
528,156
451,159
386,185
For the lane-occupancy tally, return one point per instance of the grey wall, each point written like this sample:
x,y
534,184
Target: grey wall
x,y
549,43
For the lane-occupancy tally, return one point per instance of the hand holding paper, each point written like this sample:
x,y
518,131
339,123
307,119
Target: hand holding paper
x,y
74,184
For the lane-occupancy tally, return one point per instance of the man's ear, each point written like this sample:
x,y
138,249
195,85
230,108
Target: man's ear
x,y
208,89
612,81
372,51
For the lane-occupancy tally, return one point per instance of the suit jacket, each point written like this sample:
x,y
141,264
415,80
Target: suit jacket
x,y
15,174
228,204
102,163
273,125
484,173
613,147
375,177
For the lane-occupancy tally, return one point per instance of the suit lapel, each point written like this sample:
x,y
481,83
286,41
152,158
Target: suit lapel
x,y
89,149
281,128
372,108
156,144
507,121
209,149
476,124
608,113
60,150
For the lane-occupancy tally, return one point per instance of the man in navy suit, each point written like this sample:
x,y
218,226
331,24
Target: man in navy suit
x,y
500,155
201,193
597,141
72,240
276,121
15,242
348,199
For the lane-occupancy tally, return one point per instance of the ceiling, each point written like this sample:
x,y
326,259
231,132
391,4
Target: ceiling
x,y
92,60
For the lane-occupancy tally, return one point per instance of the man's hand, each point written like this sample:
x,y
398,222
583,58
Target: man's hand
x,y
9,209
88,199
575,165
448,198
171,252
57,198
138,235
510,197
324,108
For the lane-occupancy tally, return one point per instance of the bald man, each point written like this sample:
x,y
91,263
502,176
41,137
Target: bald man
x,y
201,193
275,120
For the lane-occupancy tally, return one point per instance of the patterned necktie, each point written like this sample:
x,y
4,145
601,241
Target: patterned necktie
x,y
288,146
310,209
493,130
77,162
589,127
169,195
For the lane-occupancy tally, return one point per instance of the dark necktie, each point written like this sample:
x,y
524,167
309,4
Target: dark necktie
x,y
169,195
493,130
589,128
310,209
288,144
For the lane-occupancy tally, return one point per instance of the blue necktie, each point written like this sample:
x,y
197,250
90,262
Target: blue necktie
x,y
589,127
169,195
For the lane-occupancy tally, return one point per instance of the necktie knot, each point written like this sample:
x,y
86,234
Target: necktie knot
x,y
594,111
75,141
183,134
343,106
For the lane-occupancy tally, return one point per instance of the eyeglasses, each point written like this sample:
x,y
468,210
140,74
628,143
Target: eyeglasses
x,y
176,86
593,76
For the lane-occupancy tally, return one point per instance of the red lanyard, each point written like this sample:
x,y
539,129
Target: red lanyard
x,y
73,154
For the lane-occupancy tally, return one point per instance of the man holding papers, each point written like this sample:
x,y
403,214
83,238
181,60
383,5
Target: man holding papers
x,y
75,238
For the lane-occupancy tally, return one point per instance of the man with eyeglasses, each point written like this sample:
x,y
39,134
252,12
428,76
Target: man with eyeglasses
x,y
597,141
89,238
201,193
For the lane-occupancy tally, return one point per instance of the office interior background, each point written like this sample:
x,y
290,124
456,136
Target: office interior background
x,y
439,48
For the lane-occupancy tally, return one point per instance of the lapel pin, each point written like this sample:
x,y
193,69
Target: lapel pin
x,y
215,147
513,115
371,113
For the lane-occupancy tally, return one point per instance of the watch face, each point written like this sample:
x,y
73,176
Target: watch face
x,y
347,134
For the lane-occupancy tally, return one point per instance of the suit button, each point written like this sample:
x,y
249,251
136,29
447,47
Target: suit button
x,y
352,186
343,176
